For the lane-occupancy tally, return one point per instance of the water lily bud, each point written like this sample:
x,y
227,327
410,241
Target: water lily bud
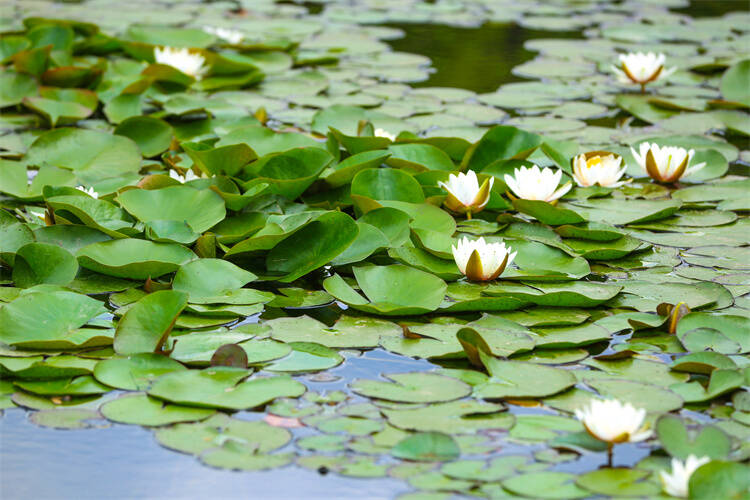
x,y
465,195
482,261
642,68
598,167
182,179
190,63
379,132
534,184
89,191
613,422
676,482
665,164
231,36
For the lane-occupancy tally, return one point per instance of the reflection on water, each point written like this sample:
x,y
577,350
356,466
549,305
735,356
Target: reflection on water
x,y
125,462
478,59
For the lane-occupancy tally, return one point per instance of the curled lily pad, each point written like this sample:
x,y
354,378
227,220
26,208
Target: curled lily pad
x,y
146,325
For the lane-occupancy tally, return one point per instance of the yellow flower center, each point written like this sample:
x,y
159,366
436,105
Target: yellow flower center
x,y
592,162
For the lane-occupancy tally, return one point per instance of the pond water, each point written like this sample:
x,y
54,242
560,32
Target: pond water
x,y
125,461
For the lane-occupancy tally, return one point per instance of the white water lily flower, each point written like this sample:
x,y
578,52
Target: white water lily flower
x,y
481,261
676,482
642,68
534,184
613,422
379,132
665,164
231,36
89,191
594,168
190,63
465,195
189,176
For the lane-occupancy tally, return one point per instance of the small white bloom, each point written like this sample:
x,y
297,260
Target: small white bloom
x,y
642,68
465,194
89,191
665,164
482,261
189,176
231,36
190,63
592,169
379,132
611,421
534,184
676,482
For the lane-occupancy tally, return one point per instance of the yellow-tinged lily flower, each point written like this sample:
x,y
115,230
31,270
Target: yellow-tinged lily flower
x,y
598,167
613,422
482,261
465,195
89,191
190,63
642,68
676,482
534,184
182,179
231,36
665,164
379,132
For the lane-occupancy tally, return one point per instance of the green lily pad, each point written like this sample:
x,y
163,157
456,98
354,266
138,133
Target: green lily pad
x,y
132,258
427,447
135,372
50,320
38,263
141,409
223,388
380,284
146,325
413,388
200,209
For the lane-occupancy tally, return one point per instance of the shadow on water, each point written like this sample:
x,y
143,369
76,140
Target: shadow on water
x,y
478,59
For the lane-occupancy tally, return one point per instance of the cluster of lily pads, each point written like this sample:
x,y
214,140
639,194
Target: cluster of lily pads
x,y
171,259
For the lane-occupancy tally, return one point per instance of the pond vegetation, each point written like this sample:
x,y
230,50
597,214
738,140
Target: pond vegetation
x,y
506,259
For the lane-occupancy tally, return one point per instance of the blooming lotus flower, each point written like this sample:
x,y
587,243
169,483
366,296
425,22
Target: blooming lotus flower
x,y
190,63
676,482
665,164
481,261
534,184
379,132
189,176
465,195
613,422
231,36
594,168
89,191
641,68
